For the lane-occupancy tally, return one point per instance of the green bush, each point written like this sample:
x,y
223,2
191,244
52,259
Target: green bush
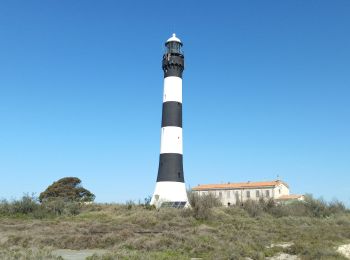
x,y
54,206
30,206
311,207
68,189
129,204
147,203
4,207
73,208
253,208
27,204
201,205
317,207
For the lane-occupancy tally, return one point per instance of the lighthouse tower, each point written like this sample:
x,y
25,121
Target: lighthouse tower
x,y
170,187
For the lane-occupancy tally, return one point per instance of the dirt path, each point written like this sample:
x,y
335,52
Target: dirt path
x,y
283,256
67,254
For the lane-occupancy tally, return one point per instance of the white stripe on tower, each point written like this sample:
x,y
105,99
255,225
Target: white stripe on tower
x,y
172,89
171,140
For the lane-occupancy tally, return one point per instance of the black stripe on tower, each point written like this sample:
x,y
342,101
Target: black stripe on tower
x,y
173,65
170,167
172,114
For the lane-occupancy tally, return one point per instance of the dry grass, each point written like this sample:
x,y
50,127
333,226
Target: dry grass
x,y
139,232
27,253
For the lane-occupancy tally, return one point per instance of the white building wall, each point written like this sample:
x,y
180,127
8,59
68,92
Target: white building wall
x,y
280,190
229,195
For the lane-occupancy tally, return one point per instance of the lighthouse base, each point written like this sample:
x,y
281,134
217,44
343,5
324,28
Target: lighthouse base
x,y
169,191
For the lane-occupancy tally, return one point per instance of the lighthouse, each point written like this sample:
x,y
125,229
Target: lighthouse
x,y
170,187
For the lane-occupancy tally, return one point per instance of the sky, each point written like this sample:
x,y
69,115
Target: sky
x,y
266,94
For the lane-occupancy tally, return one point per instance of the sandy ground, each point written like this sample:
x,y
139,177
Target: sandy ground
x,y
283,256
67,254
283,245
344,250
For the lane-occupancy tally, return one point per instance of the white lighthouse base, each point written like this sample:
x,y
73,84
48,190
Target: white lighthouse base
x,y
169,191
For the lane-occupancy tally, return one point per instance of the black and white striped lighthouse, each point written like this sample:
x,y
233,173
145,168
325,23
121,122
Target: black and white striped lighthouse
x,y
170,186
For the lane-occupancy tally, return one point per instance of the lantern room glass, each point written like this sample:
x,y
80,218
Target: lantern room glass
x,y
173,47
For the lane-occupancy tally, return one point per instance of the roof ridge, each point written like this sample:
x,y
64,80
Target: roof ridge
x,y
240,184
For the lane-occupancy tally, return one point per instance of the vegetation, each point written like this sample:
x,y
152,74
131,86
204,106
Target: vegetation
x,y
30,207
201,206
257,230
67,189
311,207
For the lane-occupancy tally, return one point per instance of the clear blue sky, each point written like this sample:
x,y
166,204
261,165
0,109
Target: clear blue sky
x,y
266,93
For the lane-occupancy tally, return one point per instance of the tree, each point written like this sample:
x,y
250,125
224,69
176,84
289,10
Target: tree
x,y
68,189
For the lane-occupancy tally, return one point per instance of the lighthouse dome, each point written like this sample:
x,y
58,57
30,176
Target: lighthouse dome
x,y
174,39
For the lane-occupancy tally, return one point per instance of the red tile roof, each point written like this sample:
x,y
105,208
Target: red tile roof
x,y
243,185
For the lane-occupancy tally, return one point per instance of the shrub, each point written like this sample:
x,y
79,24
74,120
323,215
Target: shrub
x,y
256,208
29,206
316,207
69,189
73,208
147,203
253,208
54,206
309,208
201,205
129,204
337,206
4,207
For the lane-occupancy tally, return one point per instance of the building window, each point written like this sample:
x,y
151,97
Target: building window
x,y
248,194
267,193
279,190
257,194
220,194
237,196
228,194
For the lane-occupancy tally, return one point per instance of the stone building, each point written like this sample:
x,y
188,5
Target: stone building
x,y
232,193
